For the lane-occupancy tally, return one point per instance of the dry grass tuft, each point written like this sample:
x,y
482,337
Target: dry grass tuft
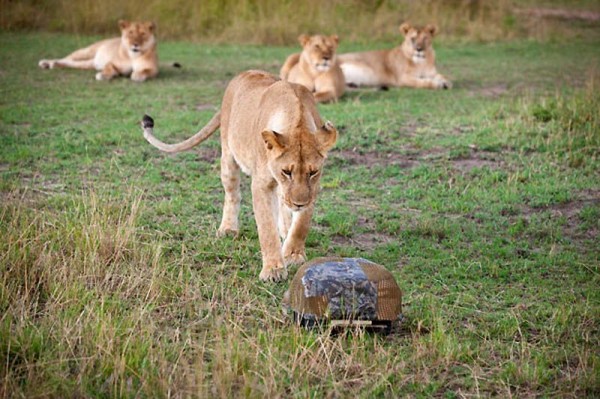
x,y
279,22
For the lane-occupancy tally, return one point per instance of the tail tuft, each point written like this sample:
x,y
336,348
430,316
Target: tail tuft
x,y
177,65
147,122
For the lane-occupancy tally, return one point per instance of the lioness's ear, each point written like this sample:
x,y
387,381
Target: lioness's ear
x,y
432,29
303,39
273,140
151,26
335,38
123,24
327,136
405,27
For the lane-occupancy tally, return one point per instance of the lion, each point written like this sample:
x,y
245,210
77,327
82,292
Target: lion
x,y
316,67
134,53
411,64
272,131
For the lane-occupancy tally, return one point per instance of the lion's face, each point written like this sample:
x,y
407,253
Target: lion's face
x,y
296,163
137,37
319,50
417,41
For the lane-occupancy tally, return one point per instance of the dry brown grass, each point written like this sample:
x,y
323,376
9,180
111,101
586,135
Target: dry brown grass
x,y
279,22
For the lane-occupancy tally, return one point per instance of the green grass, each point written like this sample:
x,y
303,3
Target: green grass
x,y
483,201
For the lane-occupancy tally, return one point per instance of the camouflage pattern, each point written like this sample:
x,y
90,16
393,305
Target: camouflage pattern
x,y
343,289
351,295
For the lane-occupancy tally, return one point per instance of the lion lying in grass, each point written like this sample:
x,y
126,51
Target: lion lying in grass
x,y
411,64
271,130
133,54
316,68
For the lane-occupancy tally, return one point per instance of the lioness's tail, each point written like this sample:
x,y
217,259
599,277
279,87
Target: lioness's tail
x,y
203,134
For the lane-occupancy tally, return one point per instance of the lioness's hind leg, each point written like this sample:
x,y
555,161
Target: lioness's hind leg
x,y
66,63
79,59
47,64
230,178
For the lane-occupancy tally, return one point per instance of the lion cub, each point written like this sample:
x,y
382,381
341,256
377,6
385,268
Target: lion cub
x,y
272,131
411,64
316,67
134,53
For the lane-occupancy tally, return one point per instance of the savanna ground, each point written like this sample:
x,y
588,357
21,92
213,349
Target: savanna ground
x,y
483,201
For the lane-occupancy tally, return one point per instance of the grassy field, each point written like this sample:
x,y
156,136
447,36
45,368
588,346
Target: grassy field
x,y
279,22
483,201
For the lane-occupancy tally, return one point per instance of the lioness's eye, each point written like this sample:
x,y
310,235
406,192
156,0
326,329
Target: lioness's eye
x,y
287,172
313,173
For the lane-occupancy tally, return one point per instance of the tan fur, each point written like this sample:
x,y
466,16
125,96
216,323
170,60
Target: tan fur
x,y
316,67
271,130
411,64
134,53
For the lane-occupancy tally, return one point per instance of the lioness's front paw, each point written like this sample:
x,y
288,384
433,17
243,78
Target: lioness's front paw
x,y
138,77
99,76
273,274
441,83
294,257
227,231
46,64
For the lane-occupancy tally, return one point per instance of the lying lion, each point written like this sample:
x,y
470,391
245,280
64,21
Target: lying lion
x,y
412,64
316,67
134,53
271,130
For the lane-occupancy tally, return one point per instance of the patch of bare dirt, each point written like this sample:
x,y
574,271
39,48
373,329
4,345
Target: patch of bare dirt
x,y
363,241
478,159
570,211
411,156
32,196
493,91
417,153
208,154
374,158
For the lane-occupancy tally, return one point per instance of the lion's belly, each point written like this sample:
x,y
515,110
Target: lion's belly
x,y
244,166
359,75
239,150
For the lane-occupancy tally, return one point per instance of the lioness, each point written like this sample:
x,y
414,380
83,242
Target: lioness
x,y
134,53
411,64
316,67
272,131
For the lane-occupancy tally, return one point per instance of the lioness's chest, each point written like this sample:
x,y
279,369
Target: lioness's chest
x,y
109,54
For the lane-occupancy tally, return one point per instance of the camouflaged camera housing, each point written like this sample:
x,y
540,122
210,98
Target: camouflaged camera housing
x,y
344,292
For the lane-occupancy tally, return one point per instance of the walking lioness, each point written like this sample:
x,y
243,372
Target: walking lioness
x,y
272,131
134,53
411,64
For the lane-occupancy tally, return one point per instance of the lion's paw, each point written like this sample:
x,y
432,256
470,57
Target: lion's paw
x,y
273,274
46,64
227,231
441,83
294,258
136,77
